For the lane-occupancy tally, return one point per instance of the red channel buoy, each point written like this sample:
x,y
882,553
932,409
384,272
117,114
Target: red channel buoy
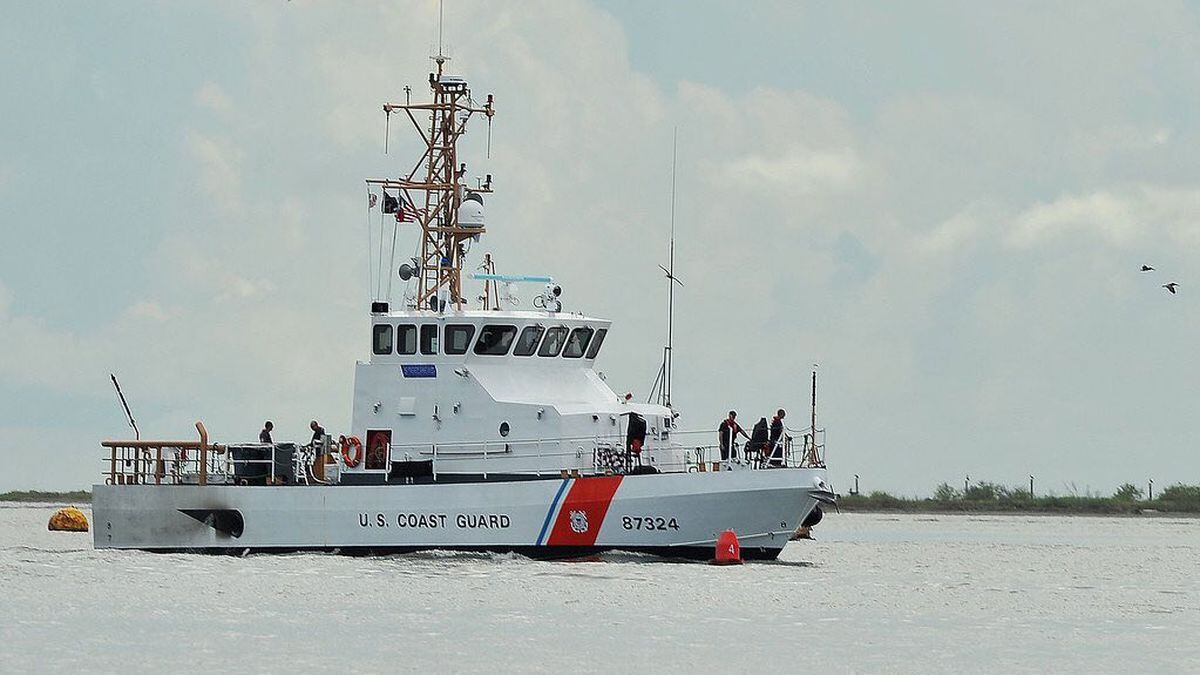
x,y
729,551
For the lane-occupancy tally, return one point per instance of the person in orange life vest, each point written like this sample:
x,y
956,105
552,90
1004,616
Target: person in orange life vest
x,y
727,432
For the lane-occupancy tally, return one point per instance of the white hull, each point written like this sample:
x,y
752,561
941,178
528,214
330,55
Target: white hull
x,y
672,514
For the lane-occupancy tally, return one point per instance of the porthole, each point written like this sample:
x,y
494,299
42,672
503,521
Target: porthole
x,y
504,429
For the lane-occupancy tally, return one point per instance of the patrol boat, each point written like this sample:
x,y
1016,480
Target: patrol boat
x,y
475,425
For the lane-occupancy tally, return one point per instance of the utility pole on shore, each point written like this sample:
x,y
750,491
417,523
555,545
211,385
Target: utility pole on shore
x,y
1031,486
1150,492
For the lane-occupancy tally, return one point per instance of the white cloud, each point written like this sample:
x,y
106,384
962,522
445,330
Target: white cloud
x,y
218,163
211,96
954,234
1119,217
147,309
1101,214
801,170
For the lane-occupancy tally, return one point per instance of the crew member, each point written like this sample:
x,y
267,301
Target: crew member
x,y
776,447
758,438
727,432
318,431
264,436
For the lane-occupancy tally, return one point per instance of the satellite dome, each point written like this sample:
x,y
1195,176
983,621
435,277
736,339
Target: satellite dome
x,y
470,211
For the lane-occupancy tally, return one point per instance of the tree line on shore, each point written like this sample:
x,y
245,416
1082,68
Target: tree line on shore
x,y
69,497
985,496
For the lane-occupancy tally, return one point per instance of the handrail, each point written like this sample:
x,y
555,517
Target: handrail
x,y
133,462
130,462
203,452
509,453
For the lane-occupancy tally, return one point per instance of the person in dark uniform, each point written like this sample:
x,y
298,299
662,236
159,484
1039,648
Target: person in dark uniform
x,y
775,445
727,432
318,431
758,438
264,436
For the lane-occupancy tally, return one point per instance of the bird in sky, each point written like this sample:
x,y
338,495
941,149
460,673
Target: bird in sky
x,y
1147,268
1171,287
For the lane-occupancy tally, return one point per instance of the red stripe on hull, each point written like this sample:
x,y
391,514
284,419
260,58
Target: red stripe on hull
x,y
583,510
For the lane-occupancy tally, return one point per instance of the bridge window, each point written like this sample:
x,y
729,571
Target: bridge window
x,y
596,342
381,338
429,339
406,339
578,342
495,340
528,342
458,338
552,344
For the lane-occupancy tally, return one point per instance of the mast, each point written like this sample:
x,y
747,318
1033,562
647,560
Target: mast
x,y
431,193
812,452
662,383
814,407
671,278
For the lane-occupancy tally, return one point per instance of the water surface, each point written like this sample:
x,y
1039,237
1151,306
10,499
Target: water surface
x,y
897,593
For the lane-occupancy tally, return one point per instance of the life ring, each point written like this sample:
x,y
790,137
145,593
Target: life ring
x,y
351,442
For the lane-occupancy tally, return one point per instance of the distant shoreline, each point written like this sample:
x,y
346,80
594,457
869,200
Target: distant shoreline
x,y
1180,500
1144,513
44,497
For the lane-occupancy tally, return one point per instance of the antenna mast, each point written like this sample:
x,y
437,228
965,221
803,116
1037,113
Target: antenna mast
x,y
128,415
432,191
662,384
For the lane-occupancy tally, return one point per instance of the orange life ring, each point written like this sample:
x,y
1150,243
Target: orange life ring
x,y
352,442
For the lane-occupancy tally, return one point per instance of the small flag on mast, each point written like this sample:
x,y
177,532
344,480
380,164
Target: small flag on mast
x,y
390,203
371,199
407,212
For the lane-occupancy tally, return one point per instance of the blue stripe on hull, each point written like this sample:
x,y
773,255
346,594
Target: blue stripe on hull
x,y
550,514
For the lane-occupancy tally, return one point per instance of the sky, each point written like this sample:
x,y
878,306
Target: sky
x,y
944,205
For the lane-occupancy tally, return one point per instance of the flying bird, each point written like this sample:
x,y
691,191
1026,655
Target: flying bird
x,y
1170,287
1147,268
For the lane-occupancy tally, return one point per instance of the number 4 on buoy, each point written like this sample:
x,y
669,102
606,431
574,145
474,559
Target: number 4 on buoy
x,y
729,551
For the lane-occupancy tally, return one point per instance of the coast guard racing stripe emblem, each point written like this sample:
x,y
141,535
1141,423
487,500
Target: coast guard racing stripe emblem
x,y
582,513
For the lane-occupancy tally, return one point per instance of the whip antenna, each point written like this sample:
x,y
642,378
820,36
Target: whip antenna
x,y
128,415
662,384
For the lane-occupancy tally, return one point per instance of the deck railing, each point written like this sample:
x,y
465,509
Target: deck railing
x,y
141,462
176,462
699,451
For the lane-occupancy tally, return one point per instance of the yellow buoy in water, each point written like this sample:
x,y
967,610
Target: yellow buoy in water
x,y
68,519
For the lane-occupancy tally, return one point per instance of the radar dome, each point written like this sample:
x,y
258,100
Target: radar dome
x,y
470,211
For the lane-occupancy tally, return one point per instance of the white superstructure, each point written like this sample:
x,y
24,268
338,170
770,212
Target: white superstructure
x,y
493,393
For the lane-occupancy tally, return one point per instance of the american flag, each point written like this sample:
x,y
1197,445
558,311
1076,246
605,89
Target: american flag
x,y
407,213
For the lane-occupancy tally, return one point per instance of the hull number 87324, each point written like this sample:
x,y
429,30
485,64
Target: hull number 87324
x,y
649,523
